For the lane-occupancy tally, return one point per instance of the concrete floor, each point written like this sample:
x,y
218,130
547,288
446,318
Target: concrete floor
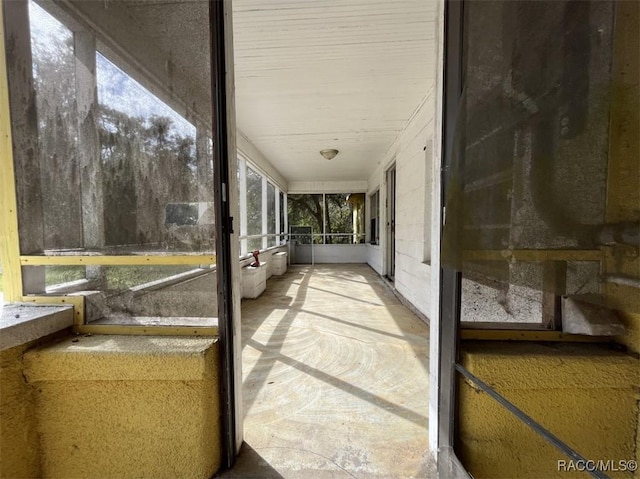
x,y
335,379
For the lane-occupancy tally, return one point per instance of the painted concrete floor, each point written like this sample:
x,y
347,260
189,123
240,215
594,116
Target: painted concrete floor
x,y
335,379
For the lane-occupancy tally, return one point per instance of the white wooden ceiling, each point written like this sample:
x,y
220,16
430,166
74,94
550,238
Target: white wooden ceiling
x,y
345,74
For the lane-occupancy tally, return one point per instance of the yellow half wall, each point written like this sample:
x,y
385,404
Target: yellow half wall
x,y
127,406
586,394
19,444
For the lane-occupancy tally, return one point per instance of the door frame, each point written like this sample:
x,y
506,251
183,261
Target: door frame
x,y
450,275
390,178
227,242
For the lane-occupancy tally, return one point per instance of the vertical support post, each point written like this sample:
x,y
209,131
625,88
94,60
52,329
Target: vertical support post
x,y
554,285
607,266
286,216
226,206
428,182
9,239
354,219
277,213
324,223
265,213
91,179
24,128
450,274
244,243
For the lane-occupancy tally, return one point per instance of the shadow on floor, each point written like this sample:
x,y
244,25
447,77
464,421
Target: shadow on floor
x,y
250,465
335,379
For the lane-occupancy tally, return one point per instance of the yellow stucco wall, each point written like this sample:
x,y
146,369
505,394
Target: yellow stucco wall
x,y
585,394
127,406
623,190
19,444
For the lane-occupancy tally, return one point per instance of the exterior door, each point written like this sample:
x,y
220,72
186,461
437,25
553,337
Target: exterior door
x,y
227,244
391,223
123,135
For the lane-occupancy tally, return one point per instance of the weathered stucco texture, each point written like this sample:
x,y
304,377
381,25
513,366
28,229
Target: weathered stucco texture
x,y
19,444
586,394
127,406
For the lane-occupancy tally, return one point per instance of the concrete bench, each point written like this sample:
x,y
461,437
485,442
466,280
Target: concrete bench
x,y
254,280
127,406
279,263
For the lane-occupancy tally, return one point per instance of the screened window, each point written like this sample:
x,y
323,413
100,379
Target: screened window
x,y
306,210
374,227
261,215
530,171
271,215
113,158
338,219
148,154
54,81
254,210
335,218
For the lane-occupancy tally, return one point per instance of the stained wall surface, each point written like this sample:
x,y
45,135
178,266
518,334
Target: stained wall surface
x,y
127,406
584,394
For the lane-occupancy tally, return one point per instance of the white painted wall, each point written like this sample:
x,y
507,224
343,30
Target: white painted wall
x,y
327,186
412,152
247,149
332,253
374,255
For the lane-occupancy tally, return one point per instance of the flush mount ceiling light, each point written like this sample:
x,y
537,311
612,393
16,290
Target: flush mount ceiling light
x,y
329,154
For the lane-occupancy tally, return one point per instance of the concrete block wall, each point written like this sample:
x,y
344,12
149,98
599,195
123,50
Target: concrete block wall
x,y
412,153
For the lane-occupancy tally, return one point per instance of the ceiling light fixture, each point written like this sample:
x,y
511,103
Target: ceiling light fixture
x,y
329,154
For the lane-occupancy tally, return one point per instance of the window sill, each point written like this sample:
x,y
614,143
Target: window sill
x,y
151,321
21,323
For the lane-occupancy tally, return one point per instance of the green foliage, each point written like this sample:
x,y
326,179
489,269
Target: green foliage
x,y
254,203
308,210
147,164
123,277
63,274
148,160
339,218
117,277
